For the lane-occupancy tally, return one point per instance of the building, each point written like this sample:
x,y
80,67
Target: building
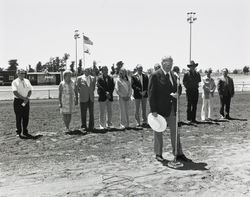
x,y
44,78
6,77
36,78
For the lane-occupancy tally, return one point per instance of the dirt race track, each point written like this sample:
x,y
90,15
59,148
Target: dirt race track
x,y
122,163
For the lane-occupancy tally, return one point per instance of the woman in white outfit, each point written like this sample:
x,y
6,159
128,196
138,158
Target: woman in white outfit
x,y
208,88
124,91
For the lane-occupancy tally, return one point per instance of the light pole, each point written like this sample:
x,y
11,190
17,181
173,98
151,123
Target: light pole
x,y
76,36
190,19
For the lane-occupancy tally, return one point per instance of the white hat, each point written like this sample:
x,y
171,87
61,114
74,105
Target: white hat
x,y
158,123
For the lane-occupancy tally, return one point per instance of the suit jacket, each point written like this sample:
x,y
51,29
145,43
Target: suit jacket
x,y
137,86
159,91
224,88
86,92
104,86
191,81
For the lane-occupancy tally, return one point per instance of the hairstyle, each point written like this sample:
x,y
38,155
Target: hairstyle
x,y
67,72
157,66
103,67
20,70
176,69
166,58
139,66
208,70
224,69
125,71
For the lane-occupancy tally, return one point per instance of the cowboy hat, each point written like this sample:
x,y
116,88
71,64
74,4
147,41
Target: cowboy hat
x,y
158,123
192,63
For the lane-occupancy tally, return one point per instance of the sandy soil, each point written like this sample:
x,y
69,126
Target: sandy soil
x,y
122,163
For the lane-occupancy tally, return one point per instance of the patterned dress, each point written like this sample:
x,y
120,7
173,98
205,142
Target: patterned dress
x,y
68,97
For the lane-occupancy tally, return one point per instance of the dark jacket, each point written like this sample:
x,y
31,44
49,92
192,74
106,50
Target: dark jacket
x,y
104,86
137,87
191,81
159,91
226,89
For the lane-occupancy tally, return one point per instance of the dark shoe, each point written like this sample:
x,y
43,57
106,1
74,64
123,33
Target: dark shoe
x,y
27,135
159,158
183,158
228,117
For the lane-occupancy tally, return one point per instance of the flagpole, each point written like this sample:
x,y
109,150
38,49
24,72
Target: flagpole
x,y
76,36
83,52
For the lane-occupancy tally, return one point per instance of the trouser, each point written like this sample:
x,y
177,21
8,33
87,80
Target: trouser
x,y
84,106
207,108
192,100
22,115
105,109
143,103
124,112
225,102
158,138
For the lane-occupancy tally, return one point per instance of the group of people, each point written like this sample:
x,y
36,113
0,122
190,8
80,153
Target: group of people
x,y
160,88
225,87
83,89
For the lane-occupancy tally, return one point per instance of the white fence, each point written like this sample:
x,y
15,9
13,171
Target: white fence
x,y
51,92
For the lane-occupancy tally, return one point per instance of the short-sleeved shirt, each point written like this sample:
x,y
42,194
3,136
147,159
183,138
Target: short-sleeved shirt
x,y
21,86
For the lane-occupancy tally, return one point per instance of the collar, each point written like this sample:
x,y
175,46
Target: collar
x,y
166,72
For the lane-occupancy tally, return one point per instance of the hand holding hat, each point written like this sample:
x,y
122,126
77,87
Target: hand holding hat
x,y
157,122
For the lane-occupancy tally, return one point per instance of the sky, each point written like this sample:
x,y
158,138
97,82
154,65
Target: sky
x,y
134,31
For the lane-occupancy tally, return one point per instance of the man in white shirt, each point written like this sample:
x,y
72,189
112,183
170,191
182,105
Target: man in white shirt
x,y
22,90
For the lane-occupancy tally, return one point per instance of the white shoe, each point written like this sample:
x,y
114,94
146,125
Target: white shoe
x,y
101,127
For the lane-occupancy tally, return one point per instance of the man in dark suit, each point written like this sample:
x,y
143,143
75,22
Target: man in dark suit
x,y
226,92
162,100
191,82
139,82
105,89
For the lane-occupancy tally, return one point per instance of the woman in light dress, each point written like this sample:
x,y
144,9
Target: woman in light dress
x,y
124,91
67,98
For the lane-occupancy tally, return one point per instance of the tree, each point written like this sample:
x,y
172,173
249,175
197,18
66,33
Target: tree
x,y
112,70
13,64
95,69
39,67
72,65
235,71
1,69
246,69
80,67
31,69
64,60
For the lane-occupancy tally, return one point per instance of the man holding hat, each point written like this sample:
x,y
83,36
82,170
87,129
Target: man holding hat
x,y
191,82
162,100
22,90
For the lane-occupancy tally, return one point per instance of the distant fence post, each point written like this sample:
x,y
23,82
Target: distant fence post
x,y
49,94
242,86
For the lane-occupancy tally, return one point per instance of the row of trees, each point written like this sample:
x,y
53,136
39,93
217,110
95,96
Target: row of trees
x,y
56,64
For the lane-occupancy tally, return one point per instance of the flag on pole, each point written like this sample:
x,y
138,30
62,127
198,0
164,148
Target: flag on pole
x,y
87,51
87,40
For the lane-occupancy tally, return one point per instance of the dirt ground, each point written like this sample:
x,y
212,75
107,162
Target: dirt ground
x,y
122,163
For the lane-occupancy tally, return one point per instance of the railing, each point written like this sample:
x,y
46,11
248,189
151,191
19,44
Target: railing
x,y
51,92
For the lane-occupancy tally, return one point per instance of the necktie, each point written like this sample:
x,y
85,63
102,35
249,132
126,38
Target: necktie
x,y
170,79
